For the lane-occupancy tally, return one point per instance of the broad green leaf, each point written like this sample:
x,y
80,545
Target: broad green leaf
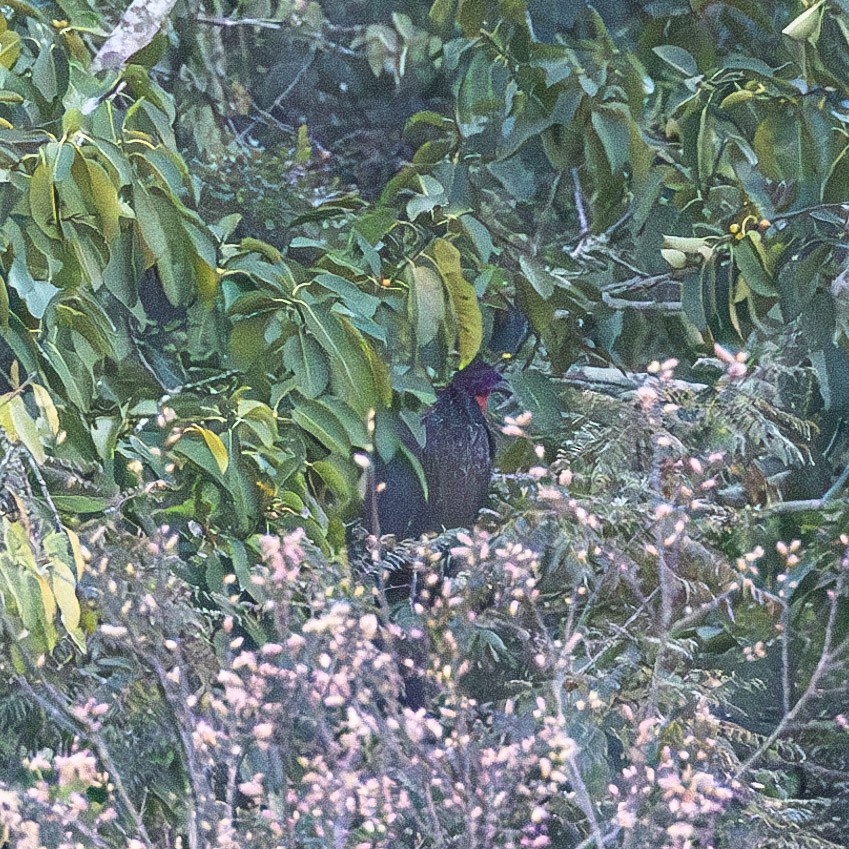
x,y
105,198
21,575
260,418
834,189
537,276
240,481
45,75
4,305
84,504
479,237
517,177
165,238
334,478
806,26
43,202
319,421
351,294
104,434
674,257
428,303
750,263
304,357
613,128
37,294
351,374
679,58
538,394
705,146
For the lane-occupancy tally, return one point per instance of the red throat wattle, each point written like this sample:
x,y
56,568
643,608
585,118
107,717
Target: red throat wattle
x,y
482,399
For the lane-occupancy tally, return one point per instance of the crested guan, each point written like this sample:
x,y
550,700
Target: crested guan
x,y
456,459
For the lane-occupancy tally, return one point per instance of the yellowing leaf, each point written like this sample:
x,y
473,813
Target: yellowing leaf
x,y
207,280
215,446
463,299
741,96
10,48
47,599
806,27
76,551
689,245
63,585
64,589
675,258
47,407
16,420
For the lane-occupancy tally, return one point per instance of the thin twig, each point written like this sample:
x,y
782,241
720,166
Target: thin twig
x,y
60,711
269,113
579,202
812,690
647,306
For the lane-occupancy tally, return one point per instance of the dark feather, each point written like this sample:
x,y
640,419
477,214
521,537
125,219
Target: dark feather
x,y
456,459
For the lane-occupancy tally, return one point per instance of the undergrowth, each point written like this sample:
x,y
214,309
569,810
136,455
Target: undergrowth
x,y
607,666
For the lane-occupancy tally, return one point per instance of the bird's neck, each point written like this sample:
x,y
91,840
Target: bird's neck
x,y
482,401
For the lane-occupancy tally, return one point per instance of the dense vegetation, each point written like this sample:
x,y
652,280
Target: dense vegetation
x,y
235,265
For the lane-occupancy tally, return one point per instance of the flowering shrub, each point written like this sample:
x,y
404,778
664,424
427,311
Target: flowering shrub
x,y
581,664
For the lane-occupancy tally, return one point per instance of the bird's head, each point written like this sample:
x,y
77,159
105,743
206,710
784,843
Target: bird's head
x,y
480,380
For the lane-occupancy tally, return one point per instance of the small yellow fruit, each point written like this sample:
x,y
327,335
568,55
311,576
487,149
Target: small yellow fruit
x,y
734,228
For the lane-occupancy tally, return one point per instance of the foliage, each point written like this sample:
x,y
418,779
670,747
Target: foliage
x,y
599,671
207,332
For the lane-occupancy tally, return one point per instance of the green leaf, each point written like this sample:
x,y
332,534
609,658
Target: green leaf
x,y
351,374
317,419
334,479
165,238
538,394
537,276
807,25
4,305
105,200
479,237
260,418
748,256
45,75
516,176
679,58
428,303
43,202
612,127
304,357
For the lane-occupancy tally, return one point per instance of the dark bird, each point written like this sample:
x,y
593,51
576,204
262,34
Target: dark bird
x,y
456,460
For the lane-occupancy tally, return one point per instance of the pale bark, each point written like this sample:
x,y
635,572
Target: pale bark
x,y
136,29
